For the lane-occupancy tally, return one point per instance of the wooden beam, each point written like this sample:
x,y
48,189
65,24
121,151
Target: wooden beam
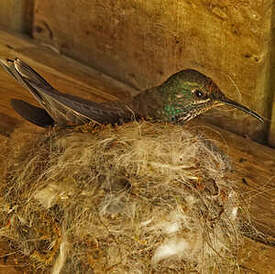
x,y
256,258
64,73
271,137
17,15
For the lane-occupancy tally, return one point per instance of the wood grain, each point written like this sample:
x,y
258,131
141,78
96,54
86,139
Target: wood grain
x,y
143,42
256,258
17,15
63,73
271,137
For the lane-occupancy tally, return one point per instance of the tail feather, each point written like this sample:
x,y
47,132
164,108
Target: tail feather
x,y
61,108
27,73
6,66
9,66
33,114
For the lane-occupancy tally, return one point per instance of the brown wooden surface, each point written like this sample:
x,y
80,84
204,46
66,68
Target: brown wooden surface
x,y
256,258
17,15
9,260
271,136
65,74
143,42
253,164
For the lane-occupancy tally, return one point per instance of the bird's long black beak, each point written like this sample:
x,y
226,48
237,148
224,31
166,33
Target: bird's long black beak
x,y
232,103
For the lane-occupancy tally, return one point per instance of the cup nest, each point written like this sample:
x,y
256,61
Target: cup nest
x,y
136,198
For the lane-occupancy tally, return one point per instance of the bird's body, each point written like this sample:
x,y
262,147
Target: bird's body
x,y
182,97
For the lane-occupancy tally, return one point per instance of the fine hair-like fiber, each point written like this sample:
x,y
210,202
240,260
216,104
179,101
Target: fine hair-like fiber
x,y
136,198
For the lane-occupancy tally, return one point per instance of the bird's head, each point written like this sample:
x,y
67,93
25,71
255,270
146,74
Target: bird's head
x,y
189,93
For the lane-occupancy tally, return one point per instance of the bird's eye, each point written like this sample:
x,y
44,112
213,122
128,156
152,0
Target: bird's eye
x,y
198,93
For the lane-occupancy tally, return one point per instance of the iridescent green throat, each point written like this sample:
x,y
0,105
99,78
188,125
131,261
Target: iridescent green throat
x,y
171,112
177,97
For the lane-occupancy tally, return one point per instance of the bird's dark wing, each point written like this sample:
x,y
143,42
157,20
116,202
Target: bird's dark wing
x,y
33,114
63,109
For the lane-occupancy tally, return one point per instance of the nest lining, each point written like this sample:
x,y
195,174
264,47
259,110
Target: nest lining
x,y
138,198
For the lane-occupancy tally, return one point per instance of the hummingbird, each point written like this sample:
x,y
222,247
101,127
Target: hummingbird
x,y
182,97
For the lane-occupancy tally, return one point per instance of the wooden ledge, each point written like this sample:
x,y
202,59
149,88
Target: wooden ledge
x,y
62,72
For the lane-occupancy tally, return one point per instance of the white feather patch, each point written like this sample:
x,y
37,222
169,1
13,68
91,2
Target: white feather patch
x,y
173,247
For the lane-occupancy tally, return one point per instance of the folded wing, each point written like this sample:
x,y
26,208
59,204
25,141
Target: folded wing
x,y
58,108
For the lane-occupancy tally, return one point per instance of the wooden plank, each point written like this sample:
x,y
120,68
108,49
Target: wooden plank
x,y
17,15
256,258
64,73
11,264
7,124
271,137
143,42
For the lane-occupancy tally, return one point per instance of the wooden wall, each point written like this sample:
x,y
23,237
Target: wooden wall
x,y
65,74
17,15
143,42
271,135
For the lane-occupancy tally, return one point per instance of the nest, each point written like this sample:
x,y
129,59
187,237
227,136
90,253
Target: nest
x,y
137,198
